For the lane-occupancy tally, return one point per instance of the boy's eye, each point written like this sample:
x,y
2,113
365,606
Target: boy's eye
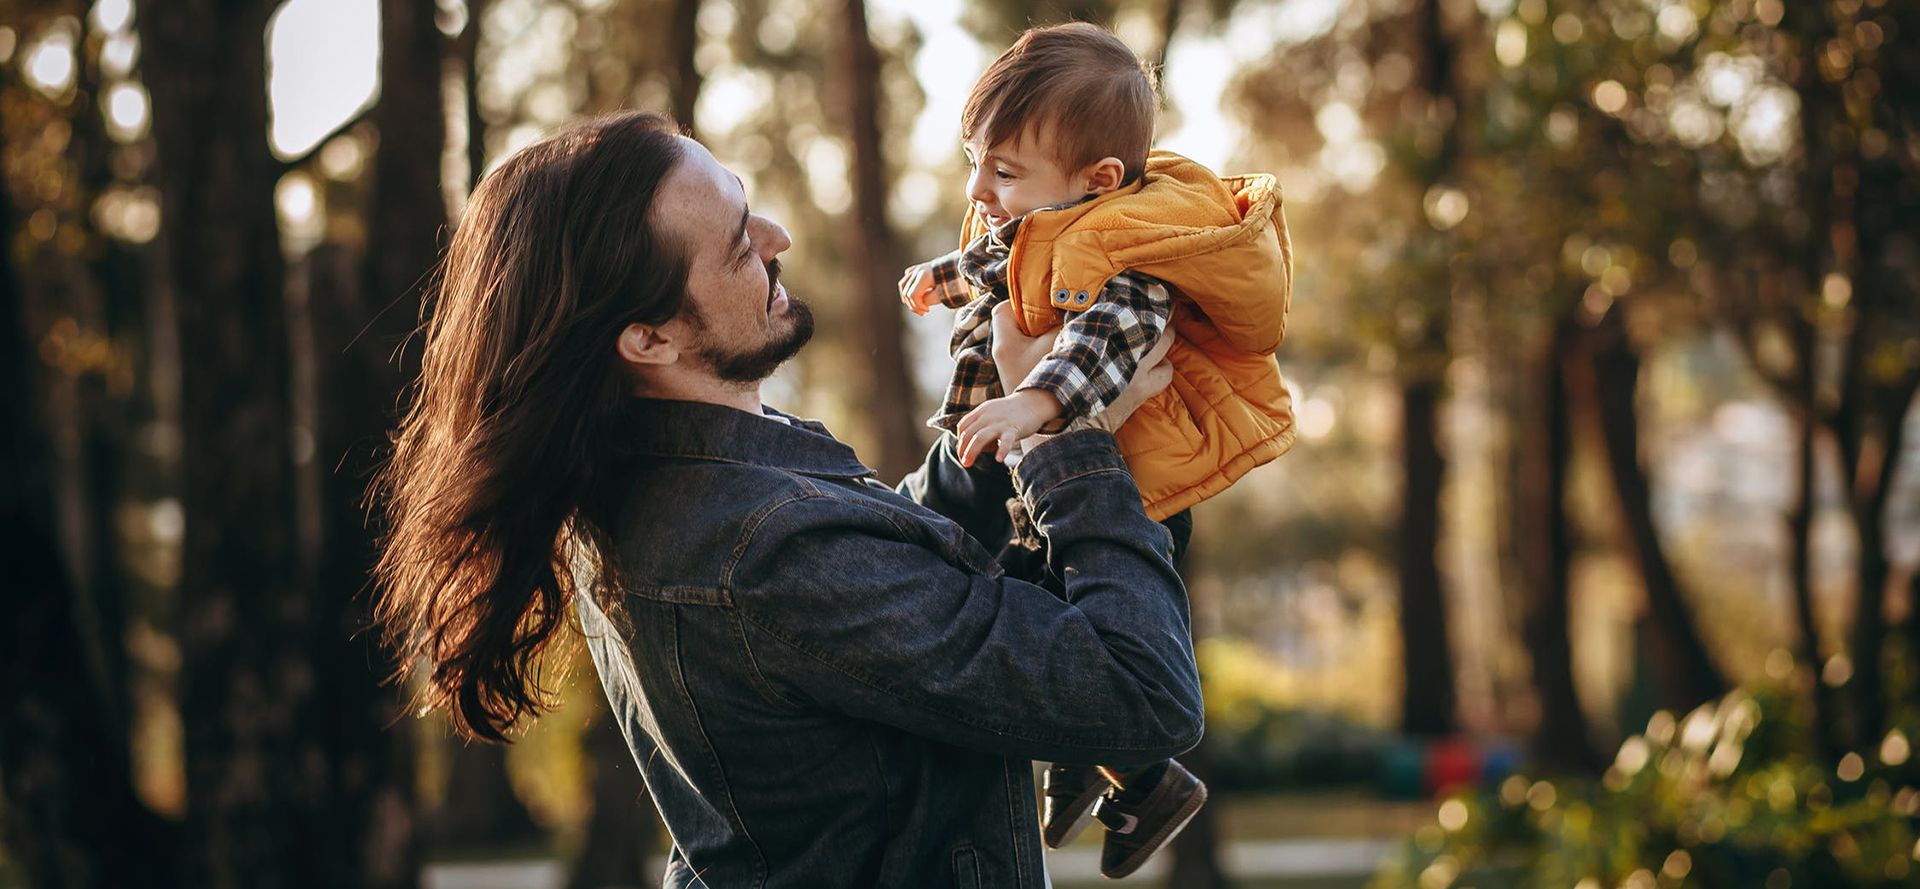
x,y
1003,174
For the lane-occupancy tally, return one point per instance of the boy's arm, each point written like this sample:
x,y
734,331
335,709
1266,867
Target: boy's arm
x,y
949,286
1099,349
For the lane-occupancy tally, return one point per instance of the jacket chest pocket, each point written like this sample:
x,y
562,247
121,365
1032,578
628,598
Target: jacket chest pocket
x,y
966,868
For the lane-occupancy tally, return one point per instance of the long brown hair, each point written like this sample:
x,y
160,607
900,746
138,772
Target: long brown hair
x,y
488,491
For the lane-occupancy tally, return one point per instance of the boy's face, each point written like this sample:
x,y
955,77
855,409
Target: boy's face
x,y
1019,176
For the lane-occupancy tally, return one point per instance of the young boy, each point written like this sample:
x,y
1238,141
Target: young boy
x,y
1078,224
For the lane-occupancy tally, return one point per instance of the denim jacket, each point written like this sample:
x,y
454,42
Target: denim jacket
x,y
826,682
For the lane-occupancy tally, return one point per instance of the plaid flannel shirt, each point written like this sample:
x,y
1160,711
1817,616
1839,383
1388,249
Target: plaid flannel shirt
x,y
1091,361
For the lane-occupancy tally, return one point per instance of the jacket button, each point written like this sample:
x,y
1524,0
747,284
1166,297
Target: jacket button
x,y
1080,297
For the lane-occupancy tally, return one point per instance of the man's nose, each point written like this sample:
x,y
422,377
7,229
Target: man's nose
x,y
770,238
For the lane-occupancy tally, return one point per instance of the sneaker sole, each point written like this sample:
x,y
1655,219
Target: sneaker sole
x,y
1160,839
1083,804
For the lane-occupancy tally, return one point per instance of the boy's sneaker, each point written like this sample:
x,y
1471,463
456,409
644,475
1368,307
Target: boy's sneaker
x,y
1140,820
1071,792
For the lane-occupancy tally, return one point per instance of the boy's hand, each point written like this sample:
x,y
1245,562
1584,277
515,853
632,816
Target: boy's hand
x,y
1000,422
916,289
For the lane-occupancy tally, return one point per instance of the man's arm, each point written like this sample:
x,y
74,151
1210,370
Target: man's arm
x,y
845,610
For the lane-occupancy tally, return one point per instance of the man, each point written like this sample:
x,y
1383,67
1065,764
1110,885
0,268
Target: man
x,y
824,682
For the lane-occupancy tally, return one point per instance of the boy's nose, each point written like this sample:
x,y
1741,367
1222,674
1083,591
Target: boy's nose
x,y
977,190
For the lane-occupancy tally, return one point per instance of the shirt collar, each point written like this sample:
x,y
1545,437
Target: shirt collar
x,y
698,430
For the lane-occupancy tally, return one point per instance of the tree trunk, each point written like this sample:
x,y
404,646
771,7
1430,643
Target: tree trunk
x,y
1196,851
684,79
254,804
68,813
1826,729
481,811
881,334
1870,470
1562,738
623,829
1427,704
470,75
1169,26
1428,699
1611,375
359,322
88,286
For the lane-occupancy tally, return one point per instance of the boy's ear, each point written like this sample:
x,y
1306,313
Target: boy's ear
x,y
647,344
1104,175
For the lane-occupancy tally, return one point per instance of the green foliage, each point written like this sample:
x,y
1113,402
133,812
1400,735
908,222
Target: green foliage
x,y
1266,730
1728,796
1295,749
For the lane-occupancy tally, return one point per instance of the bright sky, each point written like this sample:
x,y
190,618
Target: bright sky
x,y
325,57
324,62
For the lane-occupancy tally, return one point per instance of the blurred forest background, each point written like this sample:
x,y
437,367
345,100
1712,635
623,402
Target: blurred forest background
x,y
1596,564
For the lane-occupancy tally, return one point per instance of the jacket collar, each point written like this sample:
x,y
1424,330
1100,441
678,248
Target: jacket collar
x,y
696,430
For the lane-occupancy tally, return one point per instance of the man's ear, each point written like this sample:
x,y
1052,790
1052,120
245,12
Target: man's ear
x,y
1104,175
647,344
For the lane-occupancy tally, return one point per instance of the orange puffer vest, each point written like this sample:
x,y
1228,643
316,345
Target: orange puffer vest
x,y
1221,245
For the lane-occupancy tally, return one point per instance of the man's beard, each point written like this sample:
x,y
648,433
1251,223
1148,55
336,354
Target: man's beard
x,y
758,363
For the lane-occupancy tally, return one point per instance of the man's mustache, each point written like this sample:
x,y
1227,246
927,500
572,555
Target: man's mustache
x,y
773,280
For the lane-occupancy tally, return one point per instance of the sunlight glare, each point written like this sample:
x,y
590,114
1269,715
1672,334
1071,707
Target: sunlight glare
x,y
50,63
126,111
113,16
323,68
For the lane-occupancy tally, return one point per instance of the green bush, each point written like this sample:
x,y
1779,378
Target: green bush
x,y
1726,797
1265,732
1295,749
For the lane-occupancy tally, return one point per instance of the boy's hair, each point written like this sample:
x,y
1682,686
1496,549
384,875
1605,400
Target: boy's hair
x,y
1075,83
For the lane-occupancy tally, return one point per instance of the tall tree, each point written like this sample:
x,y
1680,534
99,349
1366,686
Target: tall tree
x,y
873,254
1562,737
68,812
1610,381
254,804
1428,700
683,77
623,829
359,324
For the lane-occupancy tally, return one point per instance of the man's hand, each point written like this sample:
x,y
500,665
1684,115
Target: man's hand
x,y
1000,422
916,289
1014,353
1154,373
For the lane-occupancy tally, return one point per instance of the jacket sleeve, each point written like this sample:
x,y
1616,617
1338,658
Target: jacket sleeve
x,y
844,610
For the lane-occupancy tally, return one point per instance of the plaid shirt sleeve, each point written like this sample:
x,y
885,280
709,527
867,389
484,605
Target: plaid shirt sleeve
x,y
949,285
1099,349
